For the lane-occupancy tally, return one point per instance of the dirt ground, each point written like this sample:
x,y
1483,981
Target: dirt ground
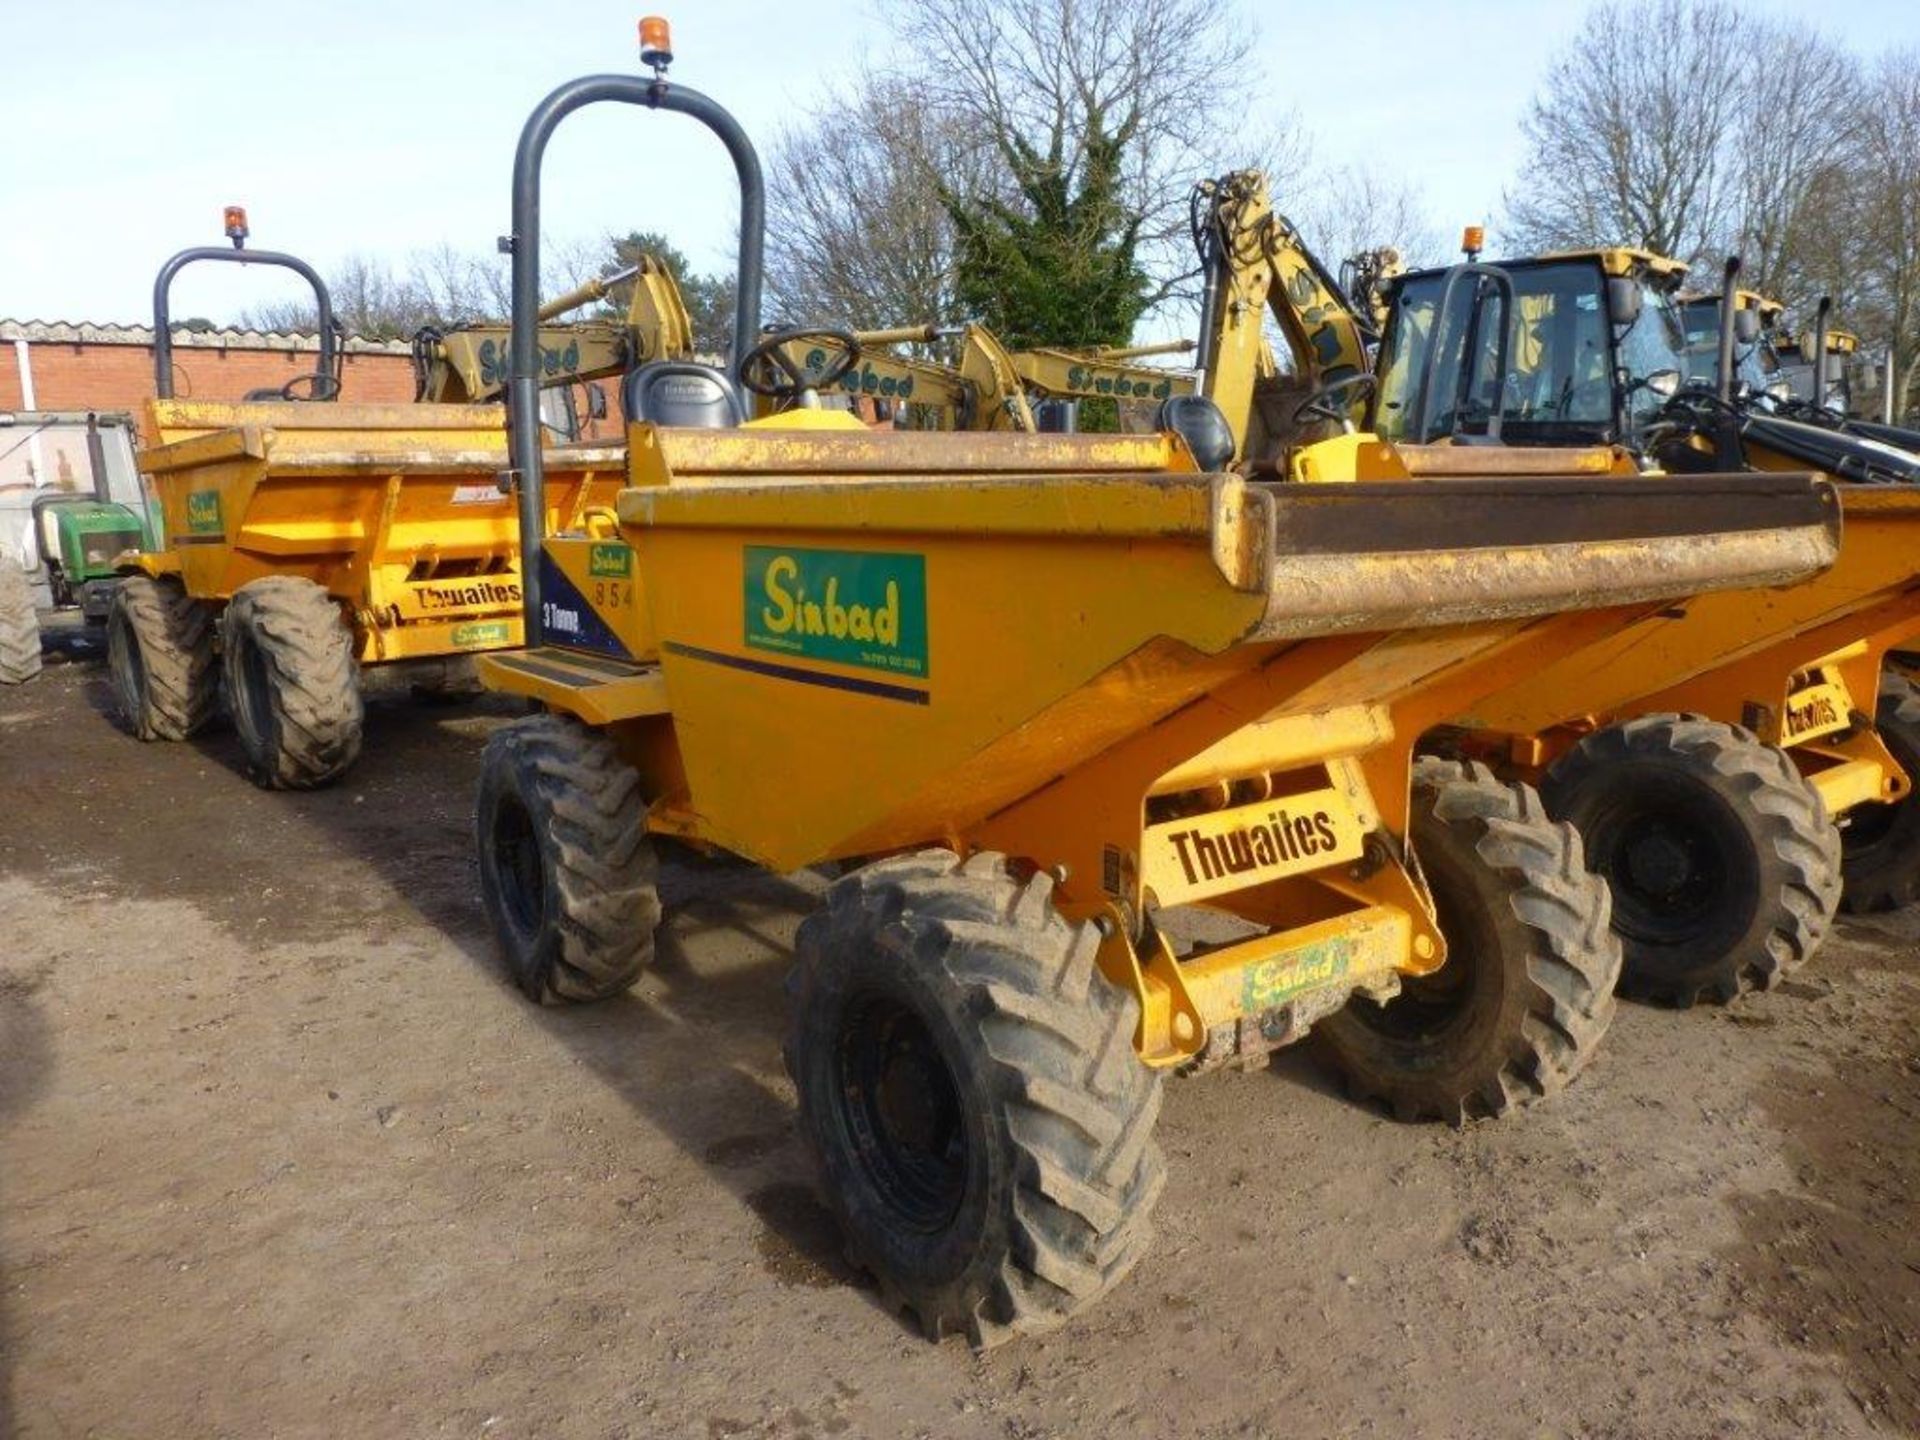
x,y
282,1155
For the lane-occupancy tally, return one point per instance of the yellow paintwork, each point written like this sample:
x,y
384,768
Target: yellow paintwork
x,y
1662,272
394,509
1118,650
1797,664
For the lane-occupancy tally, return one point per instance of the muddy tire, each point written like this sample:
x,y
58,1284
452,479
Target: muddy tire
x,y
19,626
566,868
292,682
166,679
1881,843
969,1089
1724,866
1526,992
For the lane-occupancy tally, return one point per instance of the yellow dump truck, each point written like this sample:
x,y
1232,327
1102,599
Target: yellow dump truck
x,y
1706,752
1044,695
305,541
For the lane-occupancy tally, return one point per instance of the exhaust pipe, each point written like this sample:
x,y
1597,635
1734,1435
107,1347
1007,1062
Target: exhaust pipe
x,y
526,471
1820,351
1729,301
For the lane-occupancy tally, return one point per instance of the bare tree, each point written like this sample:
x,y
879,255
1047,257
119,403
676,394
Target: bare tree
x,y
1349,209
859,233
442,286
856,233
1884,215
1175,81
1796,105
1625,138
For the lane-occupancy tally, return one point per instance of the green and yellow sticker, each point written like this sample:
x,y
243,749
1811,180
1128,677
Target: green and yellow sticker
x,y
852,607
203,512
610,561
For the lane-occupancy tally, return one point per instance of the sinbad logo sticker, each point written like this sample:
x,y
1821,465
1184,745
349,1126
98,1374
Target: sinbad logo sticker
x,y
203,512
610,562
853,607
1272,983
486,632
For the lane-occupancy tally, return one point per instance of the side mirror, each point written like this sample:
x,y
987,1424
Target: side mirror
x,y
1779,390
596,401
1664,383
1623,300
1746,326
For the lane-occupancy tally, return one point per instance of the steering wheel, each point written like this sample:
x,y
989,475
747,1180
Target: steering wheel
x,y
320,386
1320,405
768,370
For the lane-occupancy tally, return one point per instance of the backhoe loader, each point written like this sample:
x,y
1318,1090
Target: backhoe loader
x,y
1038,693
992,388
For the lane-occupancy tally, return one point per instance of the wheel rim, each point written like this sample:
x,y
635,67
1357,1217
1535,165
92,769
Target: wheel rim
x,y
1667,871
1430,1009
513,848
901,1104
129,667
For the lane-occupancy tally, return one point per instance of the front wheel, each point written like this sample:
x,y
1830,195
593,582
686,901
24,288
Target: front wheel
x,y
1881,843
1526,992
969,1089
566,869
292,682
1724,867
166,679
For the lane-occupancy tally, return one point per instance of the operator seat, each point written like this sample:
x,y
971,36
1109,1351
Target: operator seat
x,y
1202,424
681,393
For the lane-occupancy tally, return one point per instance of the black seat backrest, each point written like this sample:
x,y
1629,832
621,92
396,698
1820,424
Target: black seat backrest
x,y
681,393
1202,424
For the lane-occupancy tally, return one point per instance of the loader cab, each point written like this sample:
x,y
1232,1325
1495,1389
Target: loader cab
x,y
1756,361
1577,349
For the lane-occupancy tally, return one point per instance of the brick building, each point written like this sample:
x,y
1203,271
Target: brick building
x,y
54,365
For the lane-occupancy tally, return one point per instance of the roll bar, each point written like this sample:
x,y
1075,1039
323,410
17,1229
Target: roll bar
x,y
527,471
1419,423
239,255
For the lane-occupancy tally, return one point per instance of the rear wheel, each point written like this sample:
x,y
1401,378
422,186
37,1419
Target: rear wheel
x,y
19,626
970,1092
1526,992
1881,843
292,682
566,869
166,679
1724,866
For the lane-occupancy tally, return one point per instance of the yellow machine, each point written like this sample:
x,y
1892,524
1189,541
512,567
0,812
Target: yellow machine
x,y
991,388
302,543
1702,751
1053,690
983,391
1258,269
469,366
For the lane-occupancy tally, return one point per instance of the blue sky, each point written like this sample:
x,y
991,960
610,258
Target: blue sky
x,y
387,127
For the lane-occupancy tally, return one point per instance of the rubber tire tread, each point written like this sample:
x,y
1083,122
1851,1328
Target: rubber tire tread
x,y
175,636
316,714
1045,1036
600,871
1557,955
1797,842
1894,882
19,626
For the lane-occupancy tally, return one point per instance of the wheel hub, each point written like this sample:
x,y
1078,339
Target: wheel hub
x,y
1659,865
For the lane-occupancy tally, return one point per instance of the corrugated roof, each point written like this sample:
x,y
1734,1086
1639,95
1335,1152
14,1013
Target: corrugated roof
x,y
85,332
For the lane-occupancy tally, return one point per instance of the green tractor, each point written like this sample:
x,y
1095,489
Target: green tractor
x,y
71,503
